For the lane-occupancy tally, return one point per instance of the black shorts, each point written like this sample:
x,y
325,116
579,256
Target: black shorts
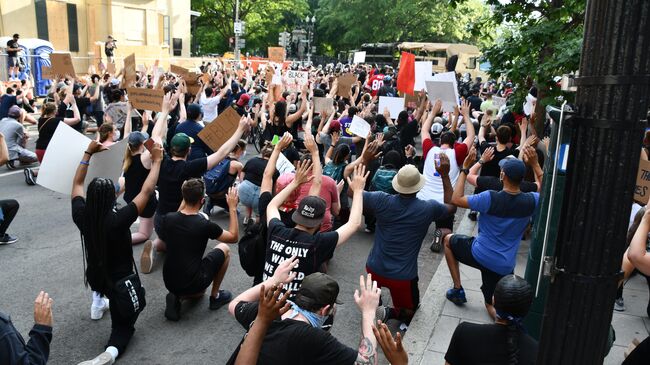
x,y
461,247
446,222
210,265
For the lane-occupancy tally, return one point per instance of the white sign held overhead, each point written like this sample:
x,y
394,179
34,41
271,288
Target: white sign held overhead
x,y
359,57
423,74
450,77
360,127
283,165
296,80
394,105
443,90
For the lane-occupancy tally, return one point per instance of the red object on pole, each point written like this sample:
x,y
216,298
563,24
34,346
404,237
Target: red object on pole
x,y
406,75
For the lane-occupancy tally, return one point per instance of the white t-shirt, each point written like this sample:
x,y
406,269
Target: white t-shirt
x,y
209,107
433,188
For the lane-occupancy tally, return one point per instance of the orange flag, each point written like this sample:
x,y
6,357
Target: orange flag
x,y
406,75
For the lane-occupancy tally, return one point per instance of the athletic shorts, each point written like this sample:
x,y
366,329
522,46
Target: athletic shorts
x,y
13,61
461,247
405,293
210,265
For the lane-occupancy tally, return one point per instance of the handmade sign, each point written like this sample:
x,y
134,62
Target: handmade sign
x,y
61,64
443,90
129,70
498,102
359,126
359,57
110,68
220,129
180,71
147,99
345,85
296,80
283,165
422,74
642,189
450,77
411,100
322,104
276,54
394,105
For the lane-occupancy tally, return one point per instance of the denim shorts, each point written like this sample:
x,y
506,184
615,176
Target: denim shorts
x,y
249,195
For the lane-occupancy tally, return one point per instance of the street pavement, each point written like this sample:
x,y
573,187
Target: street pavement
x,y
48,257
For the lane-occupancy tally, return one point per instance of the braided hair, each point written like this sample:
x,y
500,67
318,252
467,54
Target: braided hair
x,y
100,201
512,299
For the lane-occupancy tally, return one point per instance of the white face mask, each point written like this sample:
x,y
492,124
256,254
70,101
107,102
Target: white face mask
x,y
116,135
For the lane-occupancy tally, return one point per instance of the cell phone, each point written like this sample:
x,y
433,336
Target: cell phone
x,y
148,144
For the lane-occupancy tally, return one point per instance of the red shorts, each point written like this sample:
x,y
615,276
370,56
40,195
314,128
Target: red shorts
x,y
39,155
405,293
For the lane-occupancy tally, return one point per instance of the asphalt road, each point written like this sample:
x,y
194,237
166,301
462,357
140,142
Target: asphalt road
x,y
48,257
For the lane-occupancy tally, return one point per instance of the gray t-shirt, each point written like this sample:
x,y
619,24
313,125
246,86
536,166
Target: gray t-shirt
x,y
14,133
98,105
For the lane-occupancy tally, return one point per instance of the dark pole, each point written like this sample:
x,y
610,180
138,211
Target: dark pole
x,y
612,103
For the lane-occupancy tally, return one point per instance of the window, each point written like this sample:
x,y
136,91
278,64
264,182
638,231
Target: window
x,y
472,63
178,46
41,19
134,23
73,32
166,29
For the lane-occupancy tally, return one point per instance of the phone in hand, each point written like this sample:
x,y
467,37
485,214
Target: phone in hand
x,y
148,144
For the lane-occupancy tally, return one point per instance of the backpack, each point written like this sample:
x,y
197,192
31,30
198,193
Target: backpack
x,y
383,180
252,249
334,171
216,179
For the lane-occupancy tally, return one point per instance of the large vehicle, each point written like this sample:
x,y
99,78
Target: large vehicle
x,y
468,56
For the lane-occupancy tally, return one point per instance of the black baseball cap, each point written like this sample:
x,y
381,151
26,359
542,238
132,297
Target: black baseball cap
x,y
310,212
319,288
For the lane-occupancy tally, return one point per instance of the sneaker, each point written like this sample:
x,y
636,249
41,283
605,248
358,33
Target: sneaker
x,y
97,312
472,216
173,308
29,177
7,239
456,296
11,165
104,358
619,305
224,298
207,206
146,260
436,244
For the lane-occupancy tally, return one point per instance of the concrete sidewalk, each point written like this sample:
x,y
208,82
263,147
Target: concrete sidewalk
x,y
430,332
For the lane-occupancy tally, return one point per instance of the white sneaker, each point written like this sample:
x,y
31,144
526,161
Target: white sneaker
x,y
146,260
97,312
104,358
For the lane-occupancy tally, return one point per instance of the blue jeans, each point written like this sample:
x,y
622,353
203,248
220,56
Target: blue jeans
x,y
249,195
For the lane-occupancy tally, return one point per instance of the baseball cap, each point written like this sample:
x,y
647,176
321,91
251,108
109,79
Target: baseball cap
x,y
335,126
437,128
513,167
292,108
14,112
194,111
243,100
319,288
310,212
181,141
137,138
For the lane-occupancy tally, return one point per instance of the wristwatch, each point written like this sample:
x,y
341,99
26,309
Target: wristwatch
x,y
481,162
466,171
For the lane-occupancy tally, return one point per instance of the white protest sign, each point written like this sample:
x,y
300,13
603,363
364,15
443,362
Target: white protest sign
x,y
283,165
62,158
360,127
394,105
296,80
443,90
422,74
450,77
276,80
359,57
498,102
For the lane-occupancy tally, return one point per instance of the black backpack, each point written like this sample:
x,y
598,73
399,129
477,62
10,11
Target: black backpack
x,y
252,249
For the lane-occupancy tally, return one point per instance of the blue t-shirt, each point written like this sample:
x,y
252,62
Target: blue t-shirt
x,y
6,102
192,129
402,224
502,222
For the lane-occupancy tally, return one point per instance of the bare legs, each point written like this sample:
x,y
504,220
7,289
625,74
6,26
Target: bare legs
x,y
144,231
452,263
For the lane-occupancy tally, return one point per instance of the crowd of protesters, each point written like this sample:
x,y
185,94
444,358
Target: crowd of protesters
x,y
407,173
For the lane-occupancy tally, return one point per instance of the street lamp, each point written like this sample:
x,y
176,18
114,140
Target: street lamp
x,y
309,24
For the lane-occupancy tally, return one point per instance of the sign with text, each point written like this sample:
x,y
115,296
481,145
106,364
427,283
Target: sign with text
x,y
498,102
62,64
345,85
220,129
360,127
129,70
642,189
147,99
277,54
359,57
322,104
296,80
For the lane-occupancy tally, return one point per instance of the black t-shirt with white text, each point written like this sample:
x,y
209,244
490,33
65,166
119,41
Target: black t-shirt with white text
x,y
292,342
172,175
311,250
186,237
485,344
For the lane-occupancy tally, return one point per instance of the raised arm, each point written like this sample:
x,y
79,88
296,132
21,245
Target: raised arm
x,y
469,127
82,169
160,127
303,106
300,178
487,156
443,170
458,198
425,133
232,234
356,184
149,185
317,167
530,158
76,116
229,145
367,299
269,171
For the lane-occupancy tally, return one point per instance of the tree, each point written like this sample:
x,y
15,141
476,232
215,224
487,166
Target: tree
x,y
264,20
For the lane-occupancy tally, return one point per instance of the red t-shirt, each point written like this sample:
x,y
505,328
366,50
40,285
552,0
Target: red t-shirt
x,y
461,150
376,82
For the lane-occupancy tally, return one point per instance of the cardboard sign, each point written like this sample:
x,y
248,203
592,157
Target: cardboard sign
x,y
180,71
147,99
322,104
129,70
220,129
277,54
411,101
642,189
110,68
445,91
345,85
46,73
296,80
62,64
359,57
423,74
360,127
394,105
205,78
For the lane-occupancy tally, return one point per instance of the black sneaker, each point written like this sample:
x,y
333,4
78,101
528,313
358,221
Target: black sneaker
x,y
173,308
436,244
472,216
11,165
224,298
7,239
29,177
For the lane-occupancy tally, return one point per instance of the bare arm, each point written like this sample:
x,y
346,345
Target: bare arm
x,y
355,184
269,171
82,169
4,152
300,178
232,234
469,127
317,167
76,116
160,127
149,185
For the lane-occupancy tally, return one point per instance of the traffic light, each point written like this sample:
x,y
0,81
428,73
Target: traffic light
x,y
284,39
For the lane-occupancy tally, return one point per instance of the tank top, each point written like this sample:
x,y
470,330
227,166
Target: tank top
x,y
134,178
433,189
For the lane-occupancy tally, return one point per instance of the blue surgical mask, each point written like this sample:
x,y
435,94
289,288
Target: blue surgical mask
x,y
316,320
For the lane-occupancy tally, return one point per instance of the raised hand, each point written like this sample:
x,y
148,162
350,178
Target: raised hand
x,y
283,274
367,296
302,172
393,348
232,197
443,166
310,143
43,309
358,182
470,159
156,152
271,306
95,147
488,154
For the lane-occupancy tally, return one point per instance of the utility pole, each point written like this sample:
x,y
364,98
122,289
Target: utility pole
x,y
237,33
606,136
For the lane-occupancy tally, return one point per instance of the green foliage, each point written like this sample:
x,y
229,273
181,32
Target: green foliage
x,y
264,20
